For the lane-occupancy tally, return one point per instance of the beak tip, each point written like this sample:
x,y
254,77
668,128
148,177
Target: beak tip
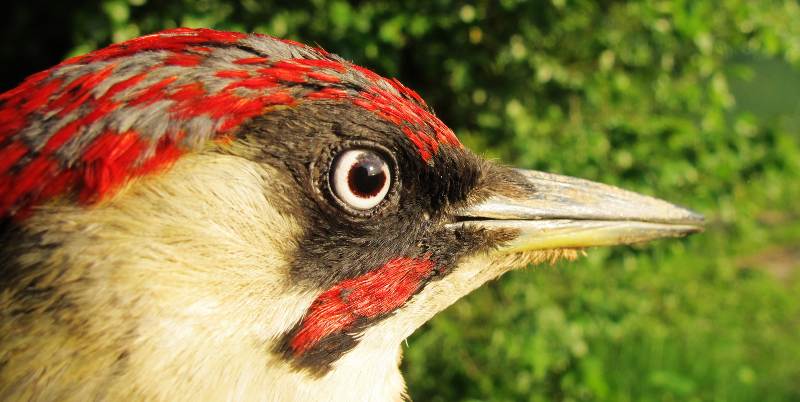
x,y
694,219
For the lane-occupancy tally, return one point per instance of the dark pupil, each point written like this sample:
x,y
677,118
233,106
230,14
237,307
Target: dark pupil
x,y
366,176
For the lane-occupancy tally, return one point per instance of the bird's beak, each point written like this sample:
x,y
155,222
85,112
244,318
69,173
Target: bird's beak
x,y
555,211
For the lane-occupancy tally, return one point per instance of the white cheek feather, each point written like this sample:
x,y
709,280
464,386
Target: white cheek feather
x,y
187,279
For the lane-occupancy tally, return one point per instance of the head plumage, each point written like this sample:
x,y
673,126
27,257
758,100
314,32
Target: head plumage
x,y
90,123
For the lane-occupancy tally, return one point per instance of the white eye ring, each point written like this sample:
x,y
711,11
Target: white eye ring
x,y
360,178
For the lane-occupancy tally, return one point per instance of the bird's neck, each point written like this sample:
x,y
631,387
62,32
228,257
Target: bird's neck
x,y
176,290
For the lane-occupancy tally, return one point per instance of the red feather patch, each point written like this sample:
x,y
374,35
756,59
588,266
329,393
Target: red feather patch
x,y
370,295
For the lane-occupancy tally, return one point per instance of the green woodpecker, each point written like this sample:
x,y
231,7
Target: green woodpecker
x,y
203,215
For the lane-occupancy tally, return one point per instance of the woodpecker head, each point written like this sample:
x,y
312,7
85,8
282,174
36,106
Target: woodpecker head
x,y
202,213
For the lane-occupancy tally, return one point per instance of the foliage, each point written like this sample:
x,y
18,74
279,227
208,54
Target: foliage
x,y
693,100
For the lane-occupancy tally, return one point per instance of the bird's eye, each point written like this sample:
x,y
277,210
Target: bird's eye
x,y
360,178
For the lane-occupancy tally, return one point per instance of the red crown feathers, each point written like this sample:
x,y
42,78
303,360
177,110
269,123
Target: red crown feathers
x,y
92,122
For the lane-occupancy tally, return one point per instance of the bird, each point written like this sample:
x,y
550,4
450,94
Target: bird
x,y
206,215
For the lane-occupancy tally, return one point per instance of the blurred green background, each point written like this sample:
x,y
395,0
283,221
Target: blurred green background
x,y
697,101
